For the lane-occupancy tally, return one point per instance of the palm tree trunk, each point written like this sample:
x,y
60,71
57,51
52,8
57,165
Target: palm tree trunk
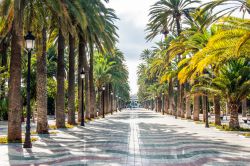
x,y
71,81
244,108
182,104
87,87
204,107
87,96
41,86
156,105
171,97
81,49
159,104
166,104
234,119
99,102
217,110
106,99
60,96
92,86
188,108
196,107
14,95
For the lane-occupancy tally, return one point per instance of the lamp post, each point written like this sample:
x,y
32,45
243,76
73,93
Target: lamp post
x,y
112,94
82,75
30,44
162,104
103,106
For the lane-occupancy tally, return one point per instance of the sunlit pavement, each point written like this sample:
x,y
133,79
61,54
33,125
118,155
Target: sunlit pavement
x,y
133,137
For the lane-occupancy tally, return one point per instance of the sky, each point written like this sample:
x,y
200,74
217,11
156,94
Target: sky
x,y
133,16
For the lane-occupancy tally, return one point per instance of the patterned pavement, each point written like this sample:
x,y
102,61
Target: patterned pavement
x,y
133,137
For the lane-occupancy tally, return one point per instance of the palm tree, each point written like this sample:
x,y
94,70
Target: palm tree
x,y
42,122
232,82
77,18
235,5
14,95
165,17
60,97
71,81
99,33
36,11
81,59
110,70
66,19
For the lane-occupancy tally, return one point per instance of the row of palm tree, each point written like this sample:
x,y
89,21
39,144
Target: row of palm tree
x,y
204,56
64,30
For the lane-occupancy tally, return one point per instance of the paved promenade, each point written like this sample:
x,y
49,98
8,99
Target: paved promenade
x,y
133,137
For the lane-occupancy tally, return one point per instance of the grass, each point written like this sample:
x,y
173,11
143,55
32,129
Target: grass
x,y
50,132
4,140
246,134
199,122
227,128
67,126
89,120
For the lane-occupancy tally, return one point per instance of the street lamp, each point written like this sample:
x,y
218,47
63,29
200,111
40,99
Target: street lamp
x,y
30,44
103,90
82,75
162,103
112,94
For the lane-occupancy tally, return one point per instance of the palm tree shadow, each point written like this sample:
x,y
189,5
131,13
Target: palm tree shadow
x,y
166,142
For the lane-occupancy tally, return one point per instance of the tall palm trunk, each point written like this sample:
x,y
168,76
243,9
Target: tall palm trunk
x,y
60,96
244,108
156,105
81,49
171,97
41,86
196,112
99,104
159,104
106,99
71,81
204,107
188,108
182,104
217,110
91,85
234,119
87,90
166,104
14,95
180,94
87,95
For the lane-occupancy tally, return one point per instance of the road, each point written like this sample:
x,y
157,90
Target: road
x,y
133,137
